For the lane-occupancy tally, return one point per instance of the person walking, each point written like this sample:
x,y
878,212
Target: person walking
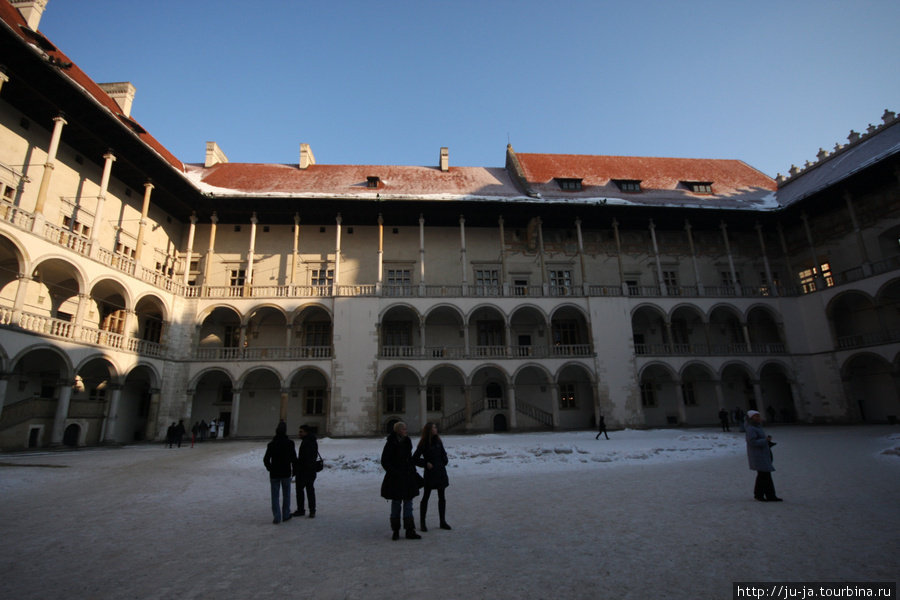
x,y
601,426
170,435
723,418
431,456
279,458
401,480
759,455
180,431
739,418
305,471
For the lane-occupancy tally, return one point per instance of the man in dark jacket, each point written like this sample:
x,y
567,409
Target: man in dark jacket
x,y
305,471
280,457
401,481
179,432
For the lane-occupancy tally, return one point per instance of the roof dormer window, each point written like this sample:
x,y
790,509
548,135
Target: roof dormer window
x,y
569,185
628,185
373,181
699,187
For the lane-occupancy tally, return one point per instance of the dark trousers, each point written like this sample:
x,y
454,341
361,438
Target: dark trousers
x,y
306,481
765,487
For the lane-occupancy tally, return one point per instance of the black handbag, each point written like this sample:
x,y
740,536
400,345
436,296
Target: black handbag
x,y
320,464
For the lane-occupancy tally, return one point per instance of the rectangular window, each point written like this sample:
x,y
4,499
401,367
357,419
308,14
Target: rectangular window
x,y
434,398
728,280
565,333
628,185
567,396
394,399
398,282
687,392
318,333
237,277
699,187
487,282
520,287
231,336
808,278
569,185
397,334
124,250
561,282
648,394
670,278
8,193
314,402
152,330
490,333
321,277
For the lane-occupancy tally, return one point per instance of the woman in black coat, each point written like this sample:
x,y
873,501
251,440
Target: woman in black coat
x,y
401,480
430,455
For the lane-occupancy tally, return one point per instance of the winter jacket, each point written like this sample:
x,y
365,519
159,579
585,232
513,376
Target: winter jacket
x,y
401,481
435,477
307,454
280,455
758,453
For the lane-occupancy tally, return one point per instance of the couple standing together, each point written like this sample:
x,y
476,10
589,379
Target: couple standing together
x,y
281,460
402,482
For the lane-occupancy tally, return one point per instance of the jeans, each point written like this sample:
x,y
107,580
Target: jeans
x,y
306,481
284,511
407,508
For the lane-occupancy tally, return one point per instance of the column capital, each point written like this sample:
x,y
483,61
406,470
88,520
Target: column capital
x,y
109,156
193,218
214,218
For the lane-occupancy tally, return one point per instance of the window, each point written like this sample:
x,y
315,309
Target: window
x,y
398,282
124,250
314,402
490,333
567,396
569,185
808,278
7,192
237,277
434,398
321,277
670,279
561,282
628,185
372,181
648,394
728,280
231,336
113,320
487,282
97,394
397,333
699,187
152,330
318,333
687,393
565,333
520,287
394,397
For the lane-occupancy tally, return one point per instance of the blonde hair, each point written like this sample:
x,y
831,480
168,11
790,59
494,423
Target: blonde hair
x,y
398,426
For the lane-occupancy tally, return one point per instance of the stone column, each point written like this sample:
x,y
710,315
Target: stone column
x,y
679,401
295,255
21,295
4,380
757,394
62,412
791,276
762,246
145,209
734,278
545,284
153,416
462,256
503,257
615,226
585,288
863,253
188,255
423,407
109,159
659,274
690,237
817,264
235,410
248,279
282,413
58,123
337,255
511,402
467,395
112,414
379,276
207,269
421,256
554,404
720,394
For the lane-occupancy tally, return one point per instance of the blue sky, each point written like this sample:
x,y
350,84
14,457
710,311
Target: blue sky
x,y
390,82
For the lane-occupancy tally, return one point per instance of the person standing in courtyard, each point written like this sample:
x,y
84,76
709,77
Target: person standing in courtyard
x,y
759,455
170,435
401,480
180,431
601,427
723,418
279,458
305,471
431,455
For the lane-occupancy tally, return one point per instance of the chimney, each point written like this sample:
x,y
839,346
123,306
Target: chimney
x,y
122,92
31,11
214,155
445,159
306,156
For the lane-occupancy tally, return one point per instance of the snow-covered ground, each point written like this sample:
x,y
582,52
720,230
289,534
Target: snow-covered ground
x,y
646,514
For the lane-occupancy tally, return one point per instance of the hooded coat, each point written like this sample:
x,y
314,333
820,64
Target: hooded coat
x,y
758,453
435,477
401,481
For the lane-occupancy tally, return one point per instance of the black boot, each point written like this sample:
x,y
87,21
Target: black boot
x,y
442,511
409,523
395,527
423,510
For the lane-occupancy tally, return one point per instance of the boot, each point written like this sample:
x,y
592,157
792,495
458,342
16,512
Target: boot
x,y
395,527
442,510
409,523
423,510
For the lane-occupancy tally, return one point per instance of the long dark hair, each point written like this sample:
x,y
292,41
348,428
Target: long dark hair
x,y
428,438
